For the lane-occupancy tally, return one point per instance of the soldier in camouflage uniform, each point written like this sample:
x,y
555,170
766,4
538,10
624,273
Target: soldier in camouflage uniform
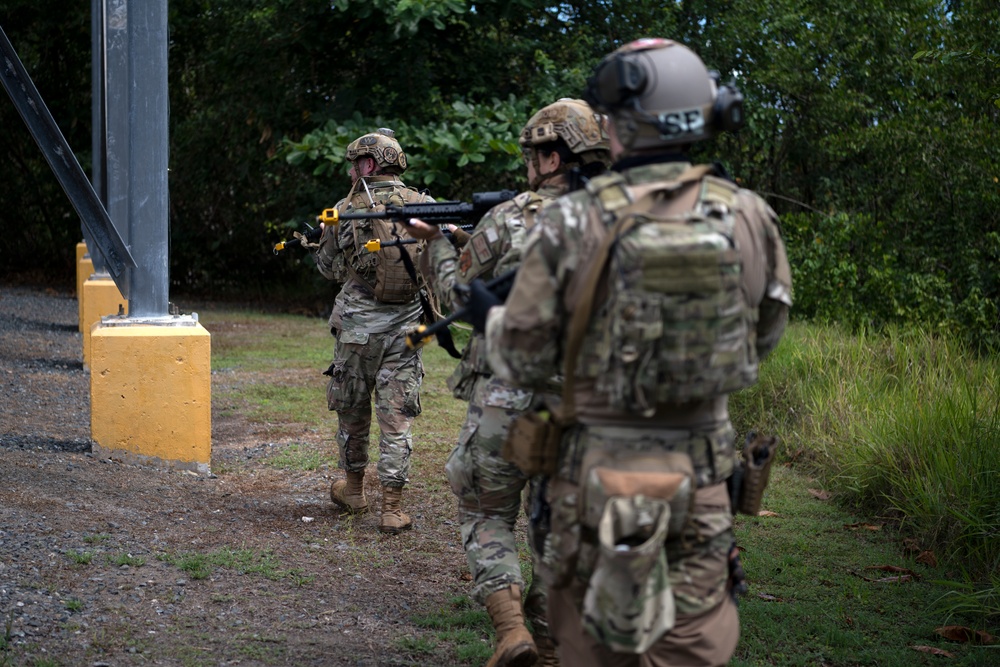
x,y
376,306
660,325
562,136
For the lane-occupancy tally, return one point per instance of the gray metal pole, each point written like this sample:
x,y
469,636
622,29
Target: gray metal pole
x,y
98,123
148,157
116,130
98,109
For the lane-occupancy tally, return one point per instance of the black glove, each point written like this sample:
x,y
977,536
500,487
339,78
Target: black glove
x,y
479,300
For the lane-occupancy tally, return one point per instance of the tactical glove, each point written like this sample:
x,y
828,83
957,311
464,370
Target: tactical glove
x,y
479,300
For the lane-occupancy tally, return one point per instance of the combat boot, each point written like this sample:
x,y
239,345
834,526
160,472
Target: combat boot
x,y
515,647
547,656
349,493
393,520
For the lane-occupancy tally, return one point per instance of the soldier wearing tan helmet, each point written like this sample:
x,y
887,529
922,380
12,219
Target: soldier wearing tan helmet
x,y
563,143
655,290
377,304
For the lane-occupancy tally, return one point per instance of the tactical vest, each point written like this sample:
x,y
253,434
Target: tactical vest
x,y
384,271
674,325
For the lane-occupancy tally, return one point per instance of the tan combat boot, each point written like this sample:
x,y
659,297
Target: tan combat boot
x,y
515,647
393,520
349,493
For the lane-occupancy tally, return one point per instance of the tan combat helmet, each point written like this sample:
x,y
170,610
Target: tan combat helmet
x,y
575,123
383,147
659,93
583,130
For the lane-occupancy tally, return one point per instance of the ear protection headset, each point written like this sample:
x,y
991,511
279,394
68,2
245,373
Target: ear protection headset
x,y
619,80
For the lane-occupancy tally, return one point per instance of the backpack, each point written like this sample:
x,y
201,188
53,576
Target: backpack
x,y
674,326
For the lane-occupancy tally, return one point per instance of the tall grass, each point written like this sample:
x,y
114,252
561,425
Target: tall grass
x,y
902,424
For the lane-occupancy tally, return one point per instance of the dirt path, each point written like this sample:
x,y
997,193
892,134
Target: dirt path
x,y
105,563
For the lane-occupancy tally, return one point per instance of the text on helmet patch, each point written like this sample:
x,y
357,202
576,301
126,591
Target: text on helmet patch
x,y
687,121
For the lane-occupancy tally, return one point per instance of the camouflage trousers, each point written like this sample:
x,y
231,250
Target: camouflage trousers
x,y
380,364
489,493
706,629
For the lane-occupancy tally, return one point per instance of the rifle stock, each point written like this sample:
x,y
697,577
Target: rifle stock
x,y
421,334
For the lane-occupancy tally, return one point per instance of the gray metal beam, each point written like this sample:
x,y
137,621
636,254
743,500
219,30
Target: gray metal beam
x,y
116,130
148,202
98,124
63,163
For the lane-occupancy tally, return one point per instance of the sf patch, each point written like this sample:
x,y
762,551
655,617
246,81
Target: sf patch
x,y
480,246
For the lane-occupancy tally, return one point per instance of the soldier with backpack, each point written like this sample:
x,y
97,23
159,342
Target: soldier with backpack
x,y
563,142
377,304
656,290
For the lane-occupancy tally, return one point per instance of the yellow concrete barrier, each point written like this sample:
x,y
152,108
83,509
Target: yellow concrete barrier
x,y
150,394
100,297
84,269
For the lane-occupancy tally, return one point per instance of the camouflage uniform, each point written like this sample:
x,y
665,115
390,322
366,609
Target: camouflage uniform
x,y
488,487
371,354
525,341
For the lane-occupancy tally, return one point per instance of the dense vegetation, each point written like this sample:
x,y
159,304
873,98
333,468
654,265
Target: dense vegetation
x,y
873,129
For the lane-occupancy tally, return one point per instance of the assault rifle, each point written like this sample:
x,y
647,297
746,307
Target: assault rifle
x,y
378,244
434,213
500,286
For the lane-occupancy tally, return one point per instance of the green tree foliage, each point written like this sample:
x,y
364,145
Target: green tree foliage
x,y
38,227
872,129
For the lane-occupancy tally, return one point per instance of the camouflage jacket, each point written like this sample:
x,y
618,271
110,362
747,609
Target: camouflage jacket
x,y
493,249
339,259
525,338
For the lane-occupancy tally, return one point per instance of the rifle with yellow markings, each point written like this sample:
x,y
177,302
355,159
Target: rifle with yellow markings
x,y
434,213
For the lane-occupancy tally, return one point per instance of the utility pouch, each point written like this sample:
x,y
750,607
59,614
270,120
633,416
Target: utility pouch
x,y
758,455
633,502
532,443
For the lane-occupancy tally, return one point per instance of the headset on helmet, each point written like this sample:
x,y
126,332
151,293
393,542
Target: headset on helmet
x,y
382,146
665,86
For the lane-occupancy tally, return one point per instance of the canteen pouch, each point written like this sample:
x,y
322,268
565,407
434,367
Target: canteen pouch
x,y
632,503
629,605
758,455
532,443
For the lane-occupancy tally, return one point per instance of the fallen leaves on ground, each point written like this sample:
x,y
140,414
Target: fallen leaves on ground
x,y
861,526
932,651
960,633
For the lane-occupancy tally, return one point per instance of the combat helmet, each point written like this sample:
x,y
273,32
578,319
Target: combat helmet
x,y
382,146
659,93
583,130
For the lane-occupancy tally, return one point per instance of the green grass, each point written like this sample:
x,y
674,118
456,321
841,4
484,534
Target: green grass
x,y
302,456
902,426
815,592
127,559
257,341
464,626
245,561
80,557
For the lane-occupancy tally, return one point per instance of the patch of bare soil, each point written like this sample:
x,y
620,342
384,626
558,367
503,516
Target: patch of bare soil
x,y
108,563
